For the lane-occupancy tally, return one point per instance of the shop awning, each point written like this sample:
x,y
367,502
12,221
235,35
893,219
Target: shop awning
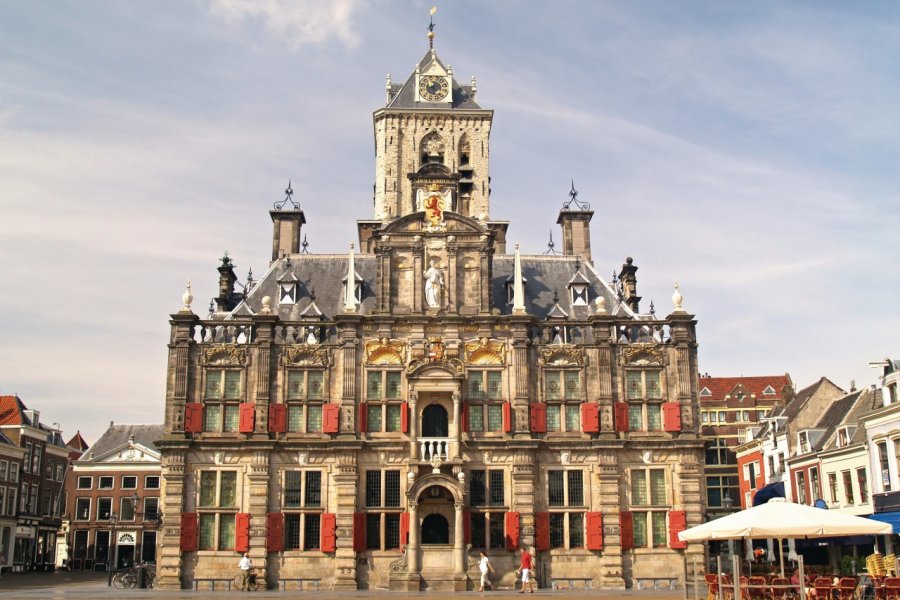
x,y
892,518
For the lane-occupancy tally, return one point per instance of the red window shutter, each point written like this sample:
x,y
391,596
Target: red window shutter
x,y
626,527
590,417
622,416
512,531
247,417
594,531
465,417
274,532
542,530
193,417
467,527
189,537
538,417
363,417
507,417
331,418
671,416
677,522
277,418
242,532
328,532
359,532
404,417
404,529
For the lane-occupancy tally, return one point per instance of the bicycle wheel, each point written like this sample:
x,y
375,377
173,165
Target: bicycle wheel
x,y
129,580
238,580
253,584
117,581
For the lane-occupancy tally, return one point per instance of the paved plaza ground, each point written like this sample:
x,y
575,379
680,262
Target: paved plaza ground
x,y
93,585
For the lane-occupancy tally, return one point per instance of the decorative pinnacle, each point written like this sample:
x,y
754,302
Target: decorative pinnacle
x,y
288,197
305,245
187,298
573,198
551,247
431,27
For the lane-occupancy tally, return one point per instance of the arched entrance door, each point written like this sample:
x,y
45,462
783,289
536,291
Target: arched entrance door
x,y
434,421
435,530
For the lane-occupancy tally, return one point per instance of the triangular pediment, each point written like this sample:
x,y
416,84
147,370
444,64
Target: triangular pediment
x,y
128,453
415,223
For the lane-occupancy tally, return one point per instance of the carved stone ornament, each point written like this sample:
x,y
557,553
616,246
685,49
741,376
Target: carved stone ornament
x,y
485,352
563,355
224,354
385,352
435,355
303,355
644,354
400,565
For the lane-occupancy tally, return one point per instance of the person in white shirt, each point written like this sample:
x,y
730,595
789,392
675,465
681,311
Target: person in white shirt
x,y
246,565
484,565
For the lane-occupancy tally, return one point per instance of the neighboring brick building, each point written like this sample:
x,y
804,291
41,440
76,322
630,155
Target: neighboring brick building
x,y
432,394
44,465
106,528
11,457
728,407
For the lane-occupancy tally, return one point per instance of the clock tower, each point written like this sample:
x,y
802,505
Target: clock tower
x,y
431,139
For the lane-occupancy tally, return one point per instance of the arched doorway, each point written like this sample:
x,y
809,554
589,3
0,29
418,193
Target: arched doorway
x,y
435,529
434,421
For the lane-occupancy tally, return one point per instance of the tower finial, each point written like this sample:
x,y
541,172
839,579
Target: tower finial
x,y
431,27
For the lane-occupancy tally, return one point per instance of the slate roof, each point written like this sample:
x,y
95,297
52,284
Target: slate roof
x,y
118,435
719,387
404,96
834,416
793,408
325,273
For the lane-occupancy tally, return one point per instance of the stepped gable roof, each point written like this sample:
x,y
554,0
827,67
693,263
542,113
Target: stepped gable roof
x,y
719,387
118,435
324,273
546,274
404,96
12,411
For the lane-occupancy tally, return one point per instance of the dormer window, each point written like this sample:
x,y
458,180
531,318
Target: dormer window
x,y
579,294
769,391
357,289
705,393
287,293
844,435
510,289
803,441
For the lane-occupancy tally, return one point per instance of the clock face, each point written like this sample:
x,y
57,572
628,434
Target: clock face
x,y
433,88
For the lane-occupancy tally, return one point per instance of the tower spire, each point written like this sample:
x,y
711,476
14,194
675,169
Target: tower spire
x,y
431,27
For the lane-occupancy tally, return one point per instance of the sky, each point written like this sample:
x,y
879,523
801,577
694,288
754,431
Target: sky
x,y
749,151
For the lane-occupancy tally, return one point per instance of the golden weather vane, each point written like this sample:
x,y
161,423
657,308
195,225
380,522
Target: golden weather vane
x,y
431,27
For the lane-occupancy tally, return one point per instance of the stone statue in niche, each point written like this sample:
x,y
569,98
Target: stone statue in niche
x,y
434,283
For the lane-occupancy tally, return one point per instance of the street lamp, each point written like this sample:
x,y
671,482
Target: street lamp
x,y
727,502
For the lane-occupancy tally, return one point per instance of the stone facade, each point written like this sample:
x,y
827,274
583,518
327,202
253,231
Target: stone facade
x,y
373,420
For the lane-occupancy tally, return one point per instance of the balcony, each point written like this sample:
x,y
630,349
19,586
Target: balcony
x,y
886,502
434,447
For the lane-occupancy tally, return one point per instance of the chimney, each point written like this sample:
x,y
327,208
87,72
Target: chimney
x,y
628,279
576,227
287,221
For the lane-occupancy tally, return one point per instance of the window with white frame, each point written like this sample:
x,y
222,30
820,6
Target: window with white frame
x,y
848,487
705,393
129,482
104,508
643,392
2,501
151,508
484,392
718,487
83,482
384,395
151,482
862,480
883,465
769,391
579,294
11,501
83,509
60,470
814,484
751,470
305,396
217,505
302,507
832,488
648,507
222,399
4,468
287,292
801,487
26,460
105,482
382,505
126,509
566,504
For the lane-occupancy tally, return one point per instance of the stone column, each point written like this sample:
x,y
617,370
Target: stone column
x,y
455,440
172,498
345,479
459,542
610,574
413,426
412,549
257,506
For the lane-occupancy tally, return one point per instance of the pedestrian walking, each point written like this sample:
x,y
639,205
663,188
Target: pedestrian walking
x,y
245,566
525,568
484,565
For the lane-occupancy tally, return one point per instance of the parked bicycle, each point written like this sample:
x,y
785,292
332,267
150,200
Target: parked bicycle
x,y
130,577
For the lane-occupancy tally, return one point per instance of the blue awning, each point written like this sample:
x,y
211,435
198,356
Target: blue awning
x,y
767,492
893,518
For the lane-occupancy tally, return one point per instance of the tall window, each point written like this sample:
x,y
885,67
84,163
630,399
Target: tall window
x,y
383,510
644,394
383,397
832,487
718,453
217,505
302,504
304,396
562,391
848,487
104,508
718,487
82,509
814,488
863,482
484,393
565,500
801,487
487,492
750,472
222,400
885,468
648,507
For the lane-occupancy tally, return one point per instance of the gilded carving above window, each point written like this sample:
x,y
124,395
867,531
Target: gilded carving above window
x,y
485,352
224,354
643,354
561,355
303,355
385,352
436,354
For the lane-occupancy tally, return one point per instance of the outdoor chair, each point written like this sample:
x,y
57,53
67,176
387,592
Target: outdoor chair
x,y
712,586
757,588
779,590
846,588
892,588
822,587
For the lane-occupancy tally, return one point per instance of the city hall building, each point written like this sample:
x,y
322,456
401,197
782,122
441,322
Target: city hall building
x,y
375,419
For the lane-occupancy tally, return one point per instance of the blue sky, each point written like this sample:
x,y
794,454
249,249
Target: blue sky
x,y
748,150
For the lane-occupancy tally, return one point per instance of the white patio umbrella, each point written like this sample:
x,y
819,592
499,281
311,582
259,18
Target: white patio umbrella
x,y
779,519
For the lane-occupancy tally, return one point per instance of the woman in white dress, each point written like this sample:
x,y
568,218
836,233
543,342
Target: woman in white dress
x,y
484,565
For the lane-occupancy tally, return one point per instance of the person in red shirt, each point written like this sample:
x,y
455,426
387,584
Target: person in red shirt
x,y
525,567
